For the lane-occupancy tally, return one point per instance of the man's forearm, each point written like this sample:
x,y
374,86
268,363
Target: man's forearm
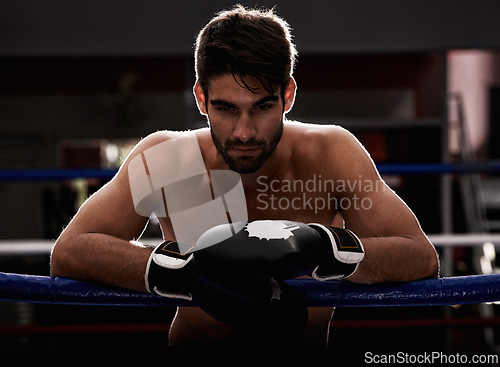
x,y
396,259
101,258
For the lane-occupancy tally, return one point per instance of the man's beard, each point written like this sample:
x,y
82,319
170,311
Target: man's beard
x,y
247,164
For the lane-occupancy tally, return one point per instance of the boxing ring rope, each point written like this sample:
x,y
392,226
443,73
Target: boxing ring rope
x,y
385,169
430,292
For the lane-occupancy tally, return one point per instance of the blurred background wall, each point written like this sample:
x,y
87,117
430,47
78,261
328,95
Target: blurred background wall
x,y
81,82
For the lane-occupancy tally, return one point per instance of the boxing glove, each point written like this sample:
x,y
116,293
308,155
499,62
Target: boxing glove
x,y
279,249
243,275
258,252
170,273
271,307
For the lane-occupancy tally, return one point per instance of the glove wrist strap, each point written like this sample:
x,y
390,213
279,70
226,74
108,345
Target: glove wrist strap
x,y
168,273
347,251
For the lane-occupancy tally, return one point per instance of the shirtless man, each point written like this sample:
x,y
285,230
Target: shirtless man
x,y
244,66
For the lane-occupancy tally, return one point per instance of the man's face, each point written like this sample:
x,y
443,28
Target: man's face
x,y
246,127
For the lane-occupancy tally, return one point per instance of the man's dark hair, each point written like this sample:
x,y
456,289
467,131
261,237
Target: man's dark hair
x,y
246,42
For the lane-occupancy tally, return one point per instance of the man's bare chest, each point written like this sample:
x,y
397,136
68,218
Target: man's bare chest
x,y
304,200
291,199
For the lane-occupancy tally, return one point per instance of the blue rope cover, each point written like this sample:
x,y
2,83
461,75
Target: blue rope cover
x,y
429,292
384,168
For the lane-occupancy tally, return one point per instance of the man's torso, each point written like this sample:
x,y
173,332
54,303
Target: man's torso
x,y
301,189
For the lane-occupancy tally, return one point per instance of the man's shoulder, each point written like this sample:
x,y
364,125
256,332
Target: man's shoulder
x,y
306,130
318,137
158,143
163,136
326,149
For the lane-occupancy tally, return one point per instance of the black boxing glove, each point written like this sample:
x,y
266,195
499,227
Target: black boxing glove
x,y
236,283
265,314
245,272
170,273
280,249
275,322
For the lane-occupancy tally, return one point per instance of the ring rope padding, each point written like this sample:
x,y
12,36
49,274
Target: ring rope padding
x,y
383,168
429,292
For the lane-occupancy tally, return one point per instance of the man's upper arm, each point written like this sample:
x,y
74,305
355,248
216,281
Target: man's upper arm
x,y
111,209
374,210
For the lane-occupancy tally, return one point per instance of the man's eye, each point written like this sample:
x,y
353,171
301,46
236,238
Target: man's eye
x,y
264,107
225,109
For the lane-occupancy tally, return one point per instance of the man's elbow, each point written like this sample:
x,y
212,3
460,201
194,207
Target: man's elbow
x,y
431,262
60,259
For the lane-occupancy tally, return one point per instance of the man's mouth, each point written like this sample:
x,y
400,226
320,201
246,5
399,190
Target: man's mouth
x,y
245,151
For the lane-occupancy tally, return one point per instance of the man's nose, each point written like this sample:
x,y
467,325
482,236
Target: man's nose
x,y
245,128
